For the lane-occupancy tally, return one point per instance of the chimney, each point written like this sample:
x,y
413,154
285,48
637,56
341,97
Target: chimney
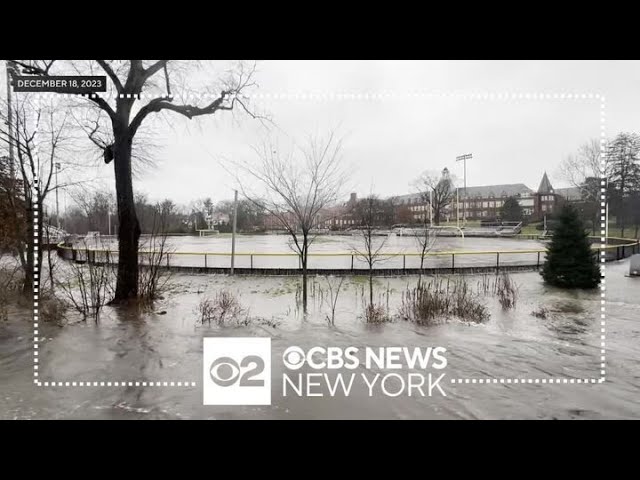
x,y
354,198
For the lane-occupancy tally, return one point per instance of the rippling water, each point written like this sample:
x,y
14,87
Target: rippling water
x,y
167,345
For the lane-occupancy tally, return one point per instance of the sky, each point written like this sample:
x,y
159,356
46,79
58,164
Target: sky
x,y
389,142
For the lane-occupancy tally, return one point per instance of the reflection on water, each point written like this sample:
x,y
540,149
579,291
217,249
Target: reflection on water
x,y
130,345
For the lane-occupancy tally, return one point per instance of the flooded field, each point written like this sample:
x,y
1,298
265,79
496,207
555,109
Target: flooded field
x,y
166,345
336,251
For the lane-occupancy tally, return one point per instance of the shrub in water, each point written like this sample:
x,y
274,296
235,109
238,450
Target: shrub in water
x,y
221,309
433,302
376,314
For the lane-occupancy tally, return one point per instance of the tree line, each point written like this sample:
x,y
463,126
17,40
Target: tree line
x,y
95,212
618,166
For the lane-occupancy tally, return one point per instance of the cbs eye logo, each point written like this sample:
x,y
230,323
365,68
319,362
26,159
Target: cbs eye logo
x,y
236,371
225,371
293,358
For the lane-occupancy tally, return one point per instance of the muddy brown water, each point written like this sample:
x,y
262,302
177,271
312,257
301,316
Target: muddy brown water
x,y
167,346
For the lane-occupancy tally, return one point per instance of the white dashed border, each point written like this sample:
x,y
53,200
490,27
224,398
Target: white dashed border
x,y
362,96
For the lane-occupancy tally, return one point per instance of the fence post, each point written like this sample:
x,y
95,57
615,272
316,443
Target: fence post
x,y
251,261
453,263
497,262
538,263
168,259
404,263
205,260
352,263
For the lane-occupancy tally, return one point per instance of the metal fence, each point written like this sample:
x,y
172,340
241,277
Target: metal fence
x,y
397,262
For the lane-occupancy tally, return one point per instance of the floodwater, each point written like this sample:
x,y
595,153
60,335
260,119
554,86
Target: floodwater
x,y
166,345
336,251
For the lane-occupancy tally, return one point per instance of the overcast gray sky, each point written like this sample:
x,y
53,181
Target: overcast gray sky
x,y
389,142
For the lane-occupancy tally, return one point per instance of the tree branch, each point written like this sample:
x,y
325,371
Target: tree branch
x,y
155,68
189,111
112,75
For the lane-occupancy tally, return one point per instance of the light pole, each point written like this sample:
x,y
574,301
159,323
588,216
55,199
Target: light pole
x,y
464,158
57,202
457,207
431,208
233,230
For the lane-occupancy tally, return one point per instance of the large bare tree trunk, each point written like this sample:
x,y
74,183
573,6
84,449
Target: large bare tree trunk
x,y
129,227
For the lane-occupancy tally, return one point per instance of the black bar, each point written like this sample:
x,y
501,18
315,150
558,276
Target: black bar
x,y
453,263
497,262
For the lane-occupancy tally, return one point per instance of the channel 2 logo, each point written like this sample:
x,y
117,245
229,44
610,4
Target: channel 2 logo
x,y
236,371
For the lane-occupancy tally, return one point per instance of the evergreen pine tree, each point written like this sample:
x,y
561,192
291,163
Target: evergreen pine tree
x,y
511,211
570,261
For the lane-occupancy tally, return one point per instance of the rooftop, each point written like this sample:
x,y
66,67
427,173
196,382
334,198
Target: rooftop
x,y
545,185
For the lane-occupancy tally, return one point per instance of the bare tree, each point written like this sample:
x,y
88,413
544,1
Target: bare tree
x,y
117,122
437,191
425,238
623,158
38,134
367,213
584,164
295,188
583,170
334,294
153,278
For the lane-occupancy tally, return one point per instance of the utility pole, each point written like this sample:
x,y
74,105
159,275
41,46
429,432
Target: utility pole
x,y
57,202
464,158
233,230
